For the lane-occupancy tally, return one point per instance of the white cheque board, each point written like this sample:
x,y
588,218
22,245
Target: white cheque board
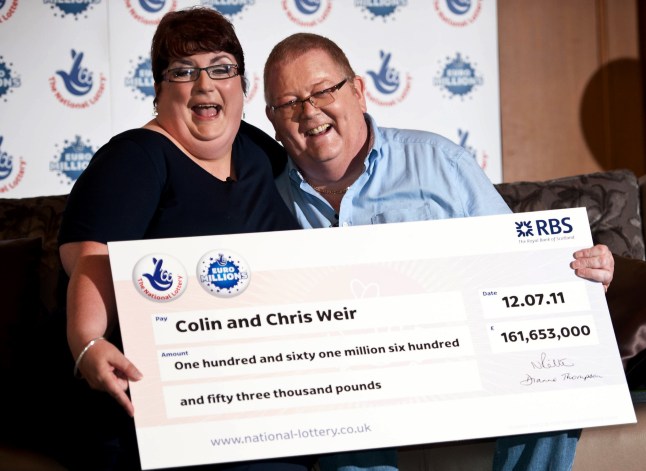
x,y
312,341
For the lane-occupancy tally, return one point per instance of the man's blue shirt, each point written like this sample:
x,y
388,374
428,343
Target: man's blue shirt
x,y
409,176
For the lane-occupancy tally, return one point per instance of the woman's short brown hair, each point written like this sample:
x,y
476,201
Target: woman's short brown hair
x,y
193,31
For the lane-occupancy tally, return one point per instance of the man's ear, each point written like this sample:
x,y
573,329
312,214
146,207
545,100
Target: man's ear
x,y
359,87
270,117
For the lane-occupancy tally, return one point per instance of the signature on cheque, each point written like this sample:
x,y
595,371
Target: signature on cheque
x,y
548,363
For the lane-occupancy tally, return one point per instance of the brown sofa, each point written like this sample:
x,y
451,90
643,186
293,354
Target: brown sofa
x,y
37,409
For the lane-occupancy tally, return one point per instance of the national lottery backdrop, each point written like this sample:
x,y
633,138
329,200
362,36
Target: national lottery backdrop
x,y
75,72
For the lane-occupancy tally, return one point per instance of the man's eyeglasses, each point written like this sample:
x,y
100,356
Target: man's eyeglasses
x,y
317,100
191,74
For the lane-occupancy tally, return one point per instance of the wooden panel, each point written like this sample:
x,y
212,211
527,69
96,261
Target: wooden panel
x,y
570,86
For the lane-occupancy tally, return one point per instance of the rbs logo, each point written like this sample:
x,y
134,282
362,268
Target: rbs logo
x,y
544,227
553,226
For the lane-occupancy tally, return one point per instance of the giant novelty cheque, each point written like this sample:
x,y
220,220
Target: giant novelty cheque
x,y
264,345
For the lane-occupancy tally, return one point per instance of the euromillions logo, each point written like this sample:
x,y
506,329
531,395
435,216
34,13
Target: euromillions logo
x,y
141,79
384,9
6,13
229,8
524,229
72,160
159,277
8,79
307,13
11,172
458,77
76,87
223,273
482,157
458,13
74,8
149,12
386,80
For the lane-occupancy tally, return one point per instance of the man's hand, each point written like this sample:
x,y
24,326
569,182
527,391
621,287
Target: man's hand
x,y
594,264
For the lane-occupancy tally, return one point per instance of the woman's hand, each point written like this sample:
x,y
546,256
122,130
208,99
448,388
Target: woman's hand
x,y
105,368
594,264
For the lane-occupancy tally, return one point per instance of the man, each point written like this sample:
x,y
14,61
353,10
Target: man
x,y
344,170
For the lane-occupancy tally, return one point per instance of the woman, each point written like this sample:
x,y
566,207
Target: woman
x,y
195,169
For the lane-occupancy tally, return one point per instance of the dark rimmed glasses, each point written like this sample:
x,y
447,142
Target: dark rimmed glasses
x,y
316,99
191,74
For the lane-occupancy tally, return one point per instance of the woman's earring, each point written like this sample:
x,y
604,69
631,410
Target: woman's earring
x,y
155,110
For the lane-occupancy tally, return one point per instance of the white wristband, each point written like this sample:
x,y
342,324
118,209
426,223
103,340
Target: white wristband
x,y
82,354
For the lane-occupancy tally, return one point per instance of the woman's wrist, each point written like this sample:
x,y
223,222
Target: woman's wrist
x,y
87,346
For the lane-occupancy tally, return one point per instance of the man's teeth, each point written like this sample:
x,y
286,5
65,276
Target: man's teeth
x,y
318,130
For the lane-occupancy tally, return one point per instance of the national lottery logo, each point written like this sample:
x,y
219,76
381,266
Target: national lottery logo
x,y
11,172
229,8
6,13
223,273
159,277
458,77
307,13
149,12
73,8
70,162
8,79
458,13
481,157
386,80
384,9
140,80
77,86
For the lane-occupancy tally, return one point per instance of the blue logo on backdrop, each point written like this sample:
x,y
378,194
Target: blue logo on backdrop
x,y
458,77
380,8
229,8
152,6
71,7
308,7
159,277
72,160
2,2
78,82
223,274
386,80
458,12
6,163
149,12
545,227
141,79
307,12
8,168
8,80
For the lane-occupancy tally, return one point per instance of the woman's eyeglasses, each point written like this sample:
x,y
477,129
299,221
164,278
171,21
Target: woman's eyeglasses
x,y
191,74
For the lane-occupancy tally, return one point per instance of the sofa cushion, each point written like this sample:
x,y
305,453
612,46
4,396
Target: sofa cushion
x,y
642,208
19,259
37,217
627,306
611,198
